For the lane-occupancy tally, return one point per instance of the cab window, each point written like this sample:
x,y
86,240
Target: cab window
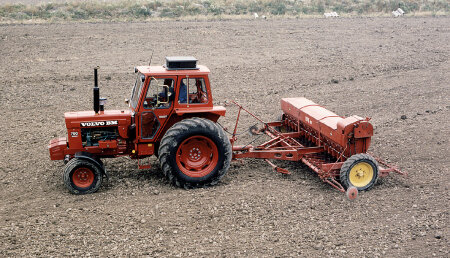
x,y
193,90
137,90
160,93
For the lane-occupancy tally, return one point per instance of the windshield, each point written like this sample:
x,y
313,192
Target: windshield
x,y
137,90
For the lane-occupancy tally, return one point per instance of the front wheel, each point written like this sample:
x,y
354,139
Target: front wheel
x,y
360,171
194,153
82,176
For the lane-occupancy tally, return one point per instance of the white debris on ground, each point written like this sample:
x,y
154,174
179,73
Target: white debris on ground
x,y
257,16
331,14
398,12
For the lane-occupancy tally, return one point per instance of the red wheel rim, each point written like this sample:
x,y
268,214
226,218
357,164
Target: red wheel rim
x,y
83,177
197,156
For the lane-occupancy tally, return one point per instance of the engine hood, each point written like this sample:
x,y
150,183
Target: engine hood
x,y
86,119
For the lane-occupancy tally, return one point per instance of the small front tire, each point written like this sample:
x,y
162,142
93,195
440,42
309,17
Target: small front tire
x,y
82,176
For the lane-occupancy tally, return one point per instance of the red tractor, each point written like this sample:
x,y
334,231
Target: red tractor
x,y
171,115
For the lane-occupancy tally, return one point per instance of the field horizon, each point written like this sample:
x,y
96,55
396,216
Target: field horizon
x,y
31,11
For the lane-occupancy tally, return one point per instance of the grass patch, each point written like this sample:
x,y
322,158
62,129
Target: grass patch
x,y
147,9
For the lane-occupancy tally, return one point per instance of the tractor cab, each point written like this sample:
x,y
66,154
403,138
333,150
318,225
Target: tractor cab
x,y
163,87
164,95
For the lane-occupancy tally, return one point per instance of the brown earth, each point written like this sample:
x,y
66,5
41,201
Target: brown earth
x,y
383,68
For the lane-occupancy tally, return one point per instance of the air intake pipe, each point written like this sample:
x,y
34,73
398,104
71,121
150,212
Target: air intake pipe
x,y
96,92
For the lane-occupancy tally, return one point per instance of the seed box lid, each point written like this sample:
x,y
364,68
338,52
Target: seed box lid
x,y
181,63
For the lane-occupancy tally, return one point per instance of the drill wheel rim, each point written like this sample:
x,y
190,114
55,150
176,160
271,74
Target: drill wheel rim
x,y
361,174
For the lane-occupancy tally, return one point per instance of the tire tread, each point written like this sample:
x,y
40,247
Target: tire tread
x,y
73,164
168,143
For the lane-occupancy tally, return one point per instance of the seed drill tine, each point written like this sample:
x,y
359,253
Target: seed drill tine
x,y
277,168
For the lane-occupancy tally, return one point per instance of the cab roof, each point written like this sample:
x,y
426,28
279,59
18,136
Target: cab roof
x,y
161,70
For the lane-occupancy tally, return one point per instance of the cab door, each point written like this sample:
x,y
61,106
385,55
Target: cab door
x,y
156,106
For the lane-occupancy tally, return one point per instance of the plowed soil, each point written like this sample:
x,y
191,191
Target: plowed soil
x,y
396,71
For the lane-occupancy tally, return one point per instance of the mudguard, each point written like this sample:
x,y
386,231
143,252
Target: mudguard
x,y
88,156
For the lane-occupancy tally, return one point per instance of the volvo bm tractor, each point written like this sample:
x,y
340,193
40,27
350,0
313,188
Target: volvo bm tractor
x,y
170,114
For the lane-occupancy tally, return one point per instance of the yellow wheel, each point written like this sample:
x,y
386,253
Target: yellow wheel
x,y
360,171
361,174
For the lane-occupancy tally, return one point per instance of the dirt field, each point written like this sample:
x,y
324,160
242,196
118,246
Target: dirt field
x,y
385,68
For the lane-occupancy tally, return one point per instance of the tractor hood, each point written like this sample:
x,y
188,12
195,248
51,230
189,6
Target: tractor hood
x,y
86,119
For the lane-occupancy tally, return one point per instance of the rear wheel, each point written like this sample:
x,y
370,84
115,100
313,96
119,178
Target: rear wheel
x,y
360,171
82,176
194,153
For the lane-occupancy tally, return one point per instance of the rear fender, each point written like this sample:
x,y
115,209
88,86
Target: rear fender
x,y
215,111
179,117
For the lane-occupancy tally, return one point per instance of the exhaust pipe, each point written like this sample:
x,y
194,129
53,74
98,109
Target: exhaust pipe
x,y
96,92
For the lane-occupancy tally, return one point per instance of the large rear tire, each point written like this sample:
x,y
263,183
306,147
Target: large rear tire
x,y
82,176
195,153
360,171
